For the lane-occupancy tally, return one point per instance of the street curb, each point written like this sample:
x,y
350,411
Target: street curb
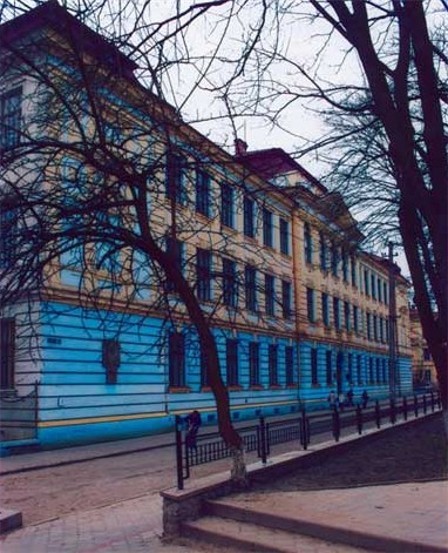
x,y
84,459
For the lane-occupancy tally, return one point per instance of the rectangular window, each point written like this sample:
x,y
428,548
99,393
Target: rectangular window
x,y
284,236
203,274
378,370
273,364
203,367
227,205
371,378
314,372
268,235
380,290
372,286
353,268
286,299
254,364
426,354
366,282
325,309
385,293
386,329
336,313
375,328
310,305
203,192
334,260
7,353
347,315
344,266
350,368
229,284
382,330
289,365
355,318
175,176
359,369
329,367
176,359
308,244
10,118
323,252
232,362
249,217
250,288
369,326
269,295
175,248
8,235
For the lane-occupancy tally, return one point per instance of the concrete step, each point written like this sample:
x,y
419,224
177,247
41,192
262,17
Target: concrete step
x,y
252,537
307,523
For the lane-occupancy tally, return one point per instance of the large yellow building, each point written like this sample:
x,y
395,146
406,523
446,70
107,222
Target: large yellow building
x,y
296,307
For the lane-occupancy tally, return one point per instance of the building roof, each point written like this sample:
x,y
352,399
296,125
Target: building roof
x,y
52,15
271,162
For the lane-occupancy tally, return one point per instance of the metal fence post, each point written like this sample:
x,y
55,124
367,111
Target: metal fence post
x,y
405,408
336,425
304,430
179,463
378,414
415,405
263,440
425,407
433,405
392,411
359,418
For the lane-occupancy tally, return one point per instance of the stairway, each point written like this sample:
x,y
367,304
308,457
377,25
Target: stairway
x,y
234,526
255,527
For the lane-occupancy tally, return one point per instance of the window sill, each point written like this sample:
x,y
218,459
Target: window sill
x,y
256,387
206,389
275,387
179,389
291,386
235,388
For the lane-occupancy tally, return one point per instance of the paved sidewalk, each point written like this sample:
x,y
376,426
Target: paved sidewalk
x,y
416,511
411,513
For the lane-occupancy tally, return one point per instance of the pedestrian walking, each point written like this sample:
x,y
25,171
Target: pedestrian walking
x,y
332,399
194,422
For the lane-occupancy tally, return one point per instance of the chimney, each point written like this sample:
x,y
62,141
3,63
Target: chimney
x,y
240,147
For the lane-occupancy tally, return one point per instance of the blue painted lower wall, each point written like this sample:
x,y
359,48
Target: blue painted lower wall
x,y
77,405
326,367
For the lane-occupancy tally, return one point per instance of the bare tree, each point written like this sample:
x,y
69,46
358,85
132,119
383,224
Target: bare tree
x,y
388,126
97,182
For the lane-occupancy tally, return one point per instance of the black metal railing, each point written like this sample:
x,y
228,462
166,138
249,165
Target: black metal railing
x,y
265,435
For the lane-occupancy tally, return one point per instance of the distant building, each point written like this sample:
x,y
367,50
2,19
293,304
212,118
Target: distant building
x,y
297,307
423,369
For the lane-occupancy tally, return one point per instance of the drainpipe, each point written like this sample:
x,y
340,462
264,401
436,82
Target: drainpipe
x,y
296,253
392,325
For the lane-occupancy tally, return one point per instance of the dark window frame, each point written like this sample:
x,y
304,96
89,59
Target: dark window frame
x,y
227,205
254,364
176,360
284,236
203,188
